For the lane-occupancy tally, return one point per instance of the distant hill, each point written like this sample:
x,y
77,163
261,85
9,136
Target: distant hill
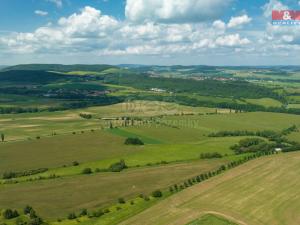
x,y
2,67
28,76
59,67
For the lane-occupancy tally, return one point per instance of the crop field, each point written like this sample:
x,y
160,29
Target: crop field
x,y
210,219
235,121
100,149
30,125
264,191
133,144
98,190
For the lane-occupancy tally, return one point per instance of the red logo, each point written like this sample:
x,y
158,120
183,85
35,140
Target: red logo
x,y
285,15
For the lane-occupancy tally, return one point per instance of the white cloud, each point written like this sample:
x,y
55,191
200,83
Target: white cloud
x,y
90,33
273,5
174,10
58,3
299,3
219,24
239,21
89,21
232,40
41,13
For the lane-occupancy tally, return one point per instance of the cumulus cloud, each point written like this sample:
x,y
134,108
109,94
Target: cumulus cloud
x,y
41,13
219,24
239,21
232,40
174,10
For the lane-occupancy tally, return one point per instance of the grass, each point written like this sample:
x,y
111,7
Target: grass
x,y
100,150
97,190
210,219
253,121
266,102
262,191
30,125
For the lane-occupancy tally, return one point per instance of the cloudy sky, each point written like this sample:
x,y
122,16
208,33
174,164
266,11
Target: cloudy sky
x,y
211,32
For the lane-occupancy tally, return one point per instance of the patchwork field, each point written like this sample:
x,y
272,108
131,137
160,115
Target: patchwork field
x,y
30,125
263,191
98,190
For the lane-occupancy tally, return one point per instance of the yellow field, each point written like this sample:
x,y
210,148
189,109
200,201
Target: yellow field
x,y
260,192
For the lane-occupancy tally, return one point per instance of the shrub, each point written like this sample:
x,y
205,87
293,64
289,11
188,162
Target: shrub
x,y
133,141
83,212
118,167
210,155
157,194
10,214
72,216
106,211
87,171
27,209
75,163
85,116
97,213
121,201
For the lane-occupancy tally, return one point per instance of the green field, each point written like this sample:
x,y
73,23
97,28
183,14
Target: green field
x,y
30,125
266,102
98,190
263,191
71,123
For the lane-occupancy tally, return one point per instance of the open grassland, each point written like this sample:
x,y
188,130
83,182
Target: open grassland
x,y
56,198
266,102
30,125
263,191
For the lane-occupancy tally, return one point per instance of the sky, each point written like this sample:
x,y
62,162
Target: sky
x,y
155,32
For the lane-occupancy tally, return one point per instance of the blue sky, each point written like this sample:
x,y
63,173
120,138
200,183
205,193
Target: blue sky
x,y
214,32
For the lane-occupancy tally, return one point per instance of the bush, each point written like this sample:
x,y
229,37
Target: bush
x,y
10,214
97,213
157,194
87,171
27,209
133,141
210,155
83,212
85,116
121,200
72,216
75,163
118,167
11,174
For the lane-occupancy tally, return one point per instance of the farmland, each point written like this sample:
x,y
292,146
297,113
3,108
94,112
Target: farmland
x,y
91,144
255,193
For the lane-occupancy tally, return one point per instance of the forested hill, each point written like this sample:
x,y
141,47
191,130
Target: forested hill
x,y
31,77
59,67
235,89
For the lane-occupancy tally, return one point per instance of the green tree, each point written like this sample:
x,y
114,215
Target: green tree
x,y
157,194
2,137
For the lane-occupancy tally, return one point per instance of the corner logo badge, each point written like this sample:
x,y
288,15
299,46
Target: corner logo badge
x,y
285,17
